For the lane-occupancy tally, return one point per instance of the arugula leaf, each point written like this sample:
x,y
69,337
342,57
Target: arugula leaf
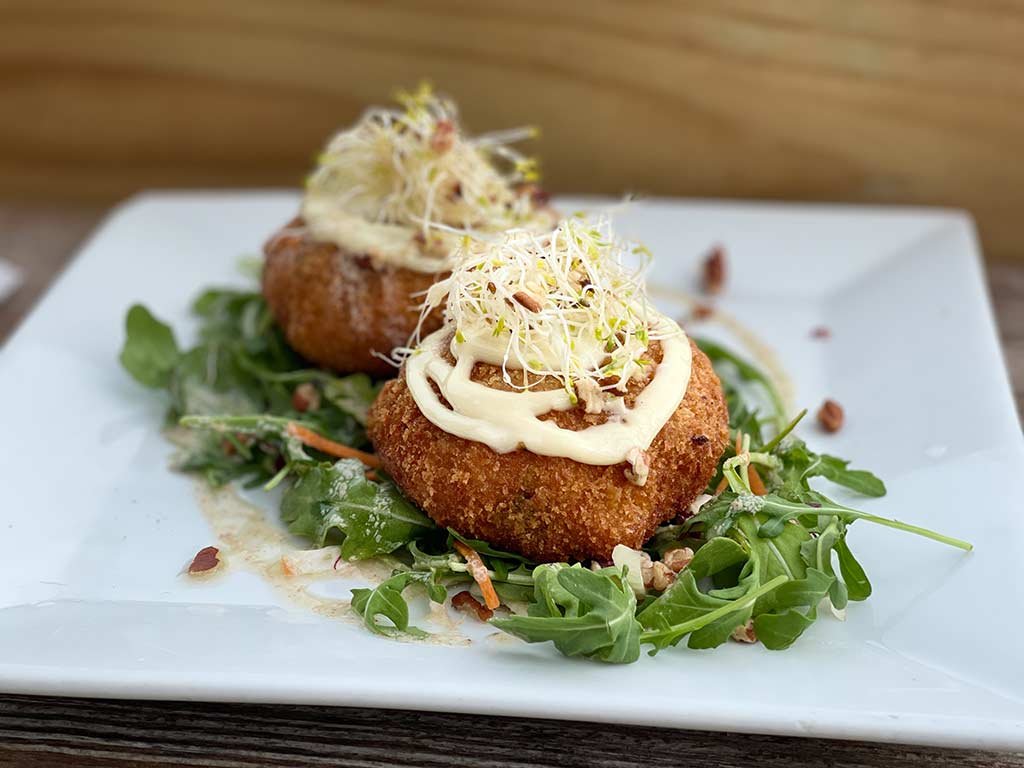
x,y
817,553
209,457
777,510
859,480
777,555
386,600
483,548
373,517
684,602
583,612
773,583
781,623
715,518
353,394
150,352
240,366
259,426
669,634
857,585
205,383
801,464
734,371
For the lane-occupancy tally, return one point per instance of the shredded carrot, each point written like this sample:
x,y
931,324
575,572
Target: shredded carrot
x,y
756,484
321,443
721,486
478,571
739,443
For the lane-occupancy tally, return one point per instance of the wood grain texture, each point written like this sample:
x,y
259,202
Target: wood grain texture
x,y
44,732
911,101
37,732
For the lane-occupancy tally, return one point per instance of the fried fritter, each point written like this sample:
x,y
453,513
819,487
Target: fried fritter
x,y
335,307
550,508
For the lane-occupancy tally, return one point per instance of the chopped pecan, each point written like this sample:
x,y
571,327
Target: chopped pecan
x,y
701,311
590,393
745,633
700,440
640,466
538,196
662,577
306,397
678,558
646,570
830,416
465,602
714,270
206,559
444,136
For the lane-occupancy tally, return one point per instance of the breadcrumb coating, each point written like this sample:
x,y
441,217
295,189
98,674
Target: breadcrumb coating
x,y
335,307
552,509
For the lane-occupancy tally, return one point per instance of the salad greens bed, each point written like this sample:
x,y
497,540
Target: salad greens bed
x,y
762,562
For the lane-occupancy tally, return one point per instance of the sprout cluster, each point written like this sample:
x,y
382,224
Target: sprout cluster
x,y
560,303
414,167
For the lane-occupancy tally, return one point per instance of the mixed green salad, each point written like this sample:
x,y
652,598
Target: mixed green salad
x,y
763,562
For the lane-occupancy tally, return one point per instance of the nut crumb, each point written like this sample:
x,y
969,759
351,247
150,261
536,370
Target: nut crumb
x,y
444,136
640,466
662,577
306,397
678,558
820,332
539,197
714,270
745,633
465,602
589,392
830,416
701,311
206,560
528,300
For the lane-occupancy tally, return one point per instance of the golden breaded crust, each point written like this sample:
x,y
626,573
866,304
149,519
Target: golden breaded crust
x,y
548,508
335,307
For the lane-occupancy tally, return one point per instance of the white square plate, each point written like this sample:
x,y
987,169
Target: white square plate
x,y
95,529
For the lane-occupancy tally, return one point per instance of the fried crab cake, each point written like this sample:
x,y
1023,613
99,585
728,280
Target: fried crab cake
x,y
390,198
553,509
335,307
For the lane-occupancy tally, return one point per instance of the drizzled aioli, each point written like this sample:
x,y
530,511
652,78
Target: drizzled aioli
x,y
559,305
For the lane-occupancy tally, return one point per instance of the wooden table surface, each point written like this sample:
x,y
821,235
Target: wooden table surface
x,y
37,731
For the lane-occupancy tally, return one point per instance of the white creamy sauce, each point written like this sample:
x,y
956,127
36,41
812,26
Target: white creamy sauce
x,y
386,244
505,421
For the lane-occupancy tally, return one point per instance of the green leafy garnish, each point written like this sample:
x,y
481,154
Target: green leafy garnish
x,y
762,565
736,374
240,367
371,517
584,613
150,353
386,601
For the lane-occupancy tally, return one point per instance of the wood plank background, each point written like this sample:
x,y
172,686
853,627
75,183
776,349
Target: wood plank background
x,y
893,101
